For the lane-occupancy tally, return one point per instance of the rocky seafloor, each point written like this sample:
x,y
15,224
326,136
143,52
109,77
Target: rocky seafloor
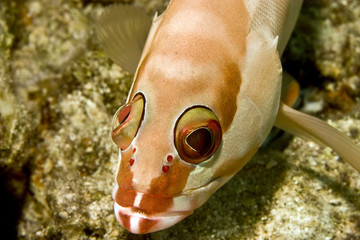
x,y
58,92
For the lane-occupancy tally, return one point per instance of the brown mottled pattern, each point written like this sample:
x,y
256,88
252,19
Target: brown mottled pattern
x,y
226,96
197,49
181,69
219,94
123,196
157,200
167,185
124,176
125,221
173,182
146,225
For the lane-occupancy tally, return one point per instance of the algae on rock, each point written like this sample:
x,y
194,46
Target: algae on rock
x,y
57,97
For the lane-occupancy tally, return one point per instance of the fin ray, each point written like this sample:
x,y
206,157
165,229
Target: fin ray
x,y
280,16
122,31
303,125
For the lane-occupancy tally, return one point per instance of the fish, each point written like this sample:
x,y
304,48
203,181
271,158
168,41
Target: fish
x,y
208,87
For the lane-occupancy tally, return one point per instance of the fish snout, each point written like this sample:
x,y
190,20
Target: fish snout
x,y
142,213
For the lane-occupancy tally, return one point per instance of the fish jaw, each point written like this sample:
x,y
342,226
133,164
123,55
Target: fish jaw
x,y
133,220
141,213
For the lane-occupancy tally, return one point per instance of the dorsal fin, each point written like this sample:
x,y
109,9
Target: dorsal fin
x,y
122,31
280,16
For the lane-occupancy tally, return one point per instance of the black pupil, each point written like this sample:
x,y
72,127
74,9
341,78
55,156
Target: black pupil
x,y
200,140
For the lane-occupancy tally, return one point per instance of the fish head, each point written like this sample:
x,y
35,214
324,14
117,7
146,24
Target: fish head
x,y
199,108
180,141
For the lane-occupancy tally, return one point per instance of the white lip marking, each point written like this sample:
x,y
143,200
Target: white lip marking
x,y
138,199
130,212
134,224
116,187
117,210
163,220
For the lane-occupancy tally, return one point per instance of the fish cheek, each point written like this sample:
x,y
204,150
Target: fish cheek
x,y
172,182
227,92
233,165
242,140
168,185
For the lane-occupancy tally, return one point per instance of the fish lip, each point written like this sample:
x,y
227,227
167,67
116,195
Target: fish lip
x,y
141,220
185,193
140,213
143,213
140,223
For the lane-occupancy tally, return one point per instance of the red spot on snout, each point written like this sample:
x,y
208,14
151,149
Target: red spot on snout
x,y
134,150
158,199
165,168
131,161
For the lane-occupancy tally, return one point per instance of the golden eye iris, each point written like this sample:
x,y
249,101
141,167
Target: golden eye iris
x,y
197,134
126,122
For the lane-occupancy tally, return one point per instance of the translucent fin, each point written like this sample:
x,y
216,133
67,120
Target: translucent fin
x,y
280,16
289,95
303,125
289,90
122,31
290,22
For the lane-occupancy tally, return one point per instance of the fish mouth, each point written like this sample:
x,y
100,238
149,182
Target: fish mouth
x,y
157,212
135,220
143,213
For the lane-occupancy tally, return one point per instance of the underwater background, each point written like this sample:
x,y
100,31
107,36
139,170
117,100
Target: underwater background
x,y
59,91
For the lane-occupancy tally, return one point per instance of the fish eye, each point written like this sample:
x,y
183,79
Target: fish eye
x,y
200,140
197,134
126,122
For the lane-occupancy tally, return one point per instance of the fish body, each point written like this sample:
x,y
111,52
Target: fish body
x,y
205,95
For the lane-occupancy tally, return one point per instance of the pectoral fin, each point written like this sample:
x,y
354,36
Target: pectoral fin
x,y
122,31
303,125
289,94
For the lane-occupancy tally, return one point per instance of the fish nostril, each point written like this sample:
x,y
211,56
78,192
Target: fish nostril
x,y
134,150
170,158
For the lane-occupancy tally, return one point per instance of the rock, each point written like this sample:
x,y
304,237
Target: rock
x,y
57,97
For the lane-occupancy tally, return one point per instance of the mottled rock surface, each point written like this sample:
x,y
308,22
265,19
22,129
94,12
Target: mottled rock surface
x,y
58,92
